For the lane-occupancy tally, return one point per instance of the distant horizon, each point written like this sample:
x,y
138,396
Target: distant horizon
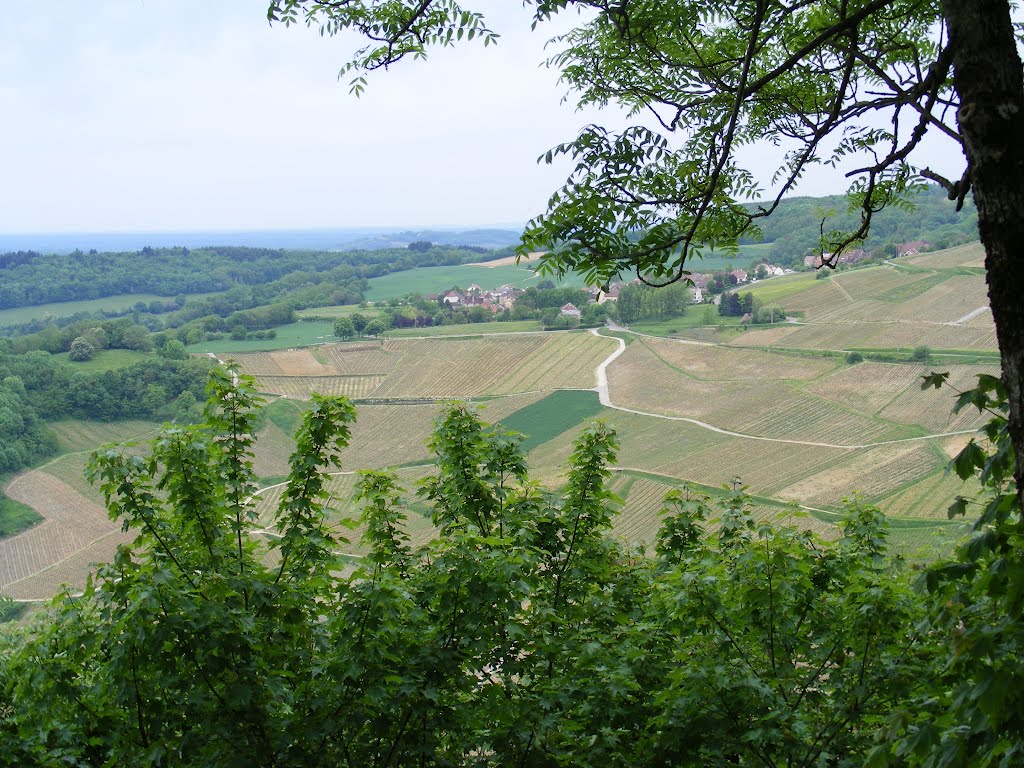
x,y
320,238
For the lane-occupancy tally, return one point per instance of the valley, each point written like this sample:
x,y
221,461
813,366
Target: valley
x,y
778,409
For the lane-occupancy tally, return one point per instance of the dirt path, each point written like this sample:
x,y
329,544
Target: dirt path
x,y
604,395
970,316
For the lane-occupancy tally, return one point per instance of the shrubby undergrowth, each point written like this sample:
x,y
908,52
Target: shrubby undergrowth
x,y
525,634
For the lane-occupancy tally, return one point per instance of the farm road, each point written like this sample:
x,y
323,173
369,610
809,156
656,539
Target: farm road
x,y
604,395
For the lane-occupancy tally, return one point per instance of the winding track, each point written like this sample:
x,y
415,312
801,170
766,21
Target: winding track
x,y
604,395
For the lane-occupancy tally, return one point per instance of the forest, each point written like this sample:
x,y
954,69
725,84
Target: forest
x,y
28,278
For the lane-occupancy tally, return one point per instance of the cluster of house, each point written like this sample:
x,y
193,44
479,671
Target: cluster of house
x,y
854,255
503,298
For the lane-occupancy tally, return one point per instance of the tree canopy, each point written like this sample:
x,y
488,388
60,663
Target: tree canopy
x,y
524,634
857,82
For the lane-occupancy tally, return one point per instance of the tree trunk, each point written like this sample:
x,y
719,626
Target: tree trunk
x,y
988,77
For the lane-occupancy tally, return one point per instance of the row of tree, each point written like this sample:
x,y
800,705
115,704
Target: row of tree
x,y
642,302
35,387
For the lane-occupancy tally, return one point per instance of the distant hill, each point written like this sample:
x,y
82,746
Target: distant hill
x,y
795,227
316,239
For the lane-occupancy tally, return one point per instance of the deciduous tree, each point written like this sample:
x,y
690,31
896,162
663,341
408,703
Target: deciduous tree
x,y
854,81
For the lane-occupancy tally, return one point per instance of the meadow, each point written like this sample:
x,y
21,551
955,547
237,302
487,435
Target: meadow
x,y
426,281
122,303
300,334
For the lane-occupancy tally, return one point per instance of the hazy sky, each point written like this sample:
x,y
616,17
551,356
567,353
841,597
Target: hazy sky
x,y
135,115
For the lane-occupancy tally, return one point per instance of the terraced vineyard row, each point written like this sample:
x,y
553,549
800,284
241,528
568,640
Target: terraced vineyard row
x,y
564,361
873,473
88,435
71,572
343,507
71,524
719,363
342,359
932,409
929,497
867,387
640,518
763,407
471,367
301,387
892,334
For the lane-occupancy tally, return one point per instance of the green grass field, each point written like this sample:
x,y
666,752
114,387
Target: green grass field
x,y
106,359
67,308
693,322
550,417
468,329
284,414
339,310
15,516
437,279
301,334
776,290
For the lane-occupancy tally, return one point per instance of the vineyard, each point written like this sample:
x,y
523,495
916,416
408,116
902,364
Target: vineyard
x,y
71,524
725,364
810,428
757,406
74,436
301,387
971,256
471,367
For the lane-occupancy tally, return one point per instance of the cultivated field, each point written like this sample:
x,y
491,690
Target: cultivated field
x,y
768,409
120,303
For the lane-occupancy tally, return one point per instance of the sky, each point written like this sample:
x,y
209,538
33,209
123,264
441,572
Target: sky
x,y
183,115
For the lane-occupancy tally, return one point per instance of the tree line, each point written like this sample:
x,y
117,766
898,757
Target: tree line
x,y
35,388
29,278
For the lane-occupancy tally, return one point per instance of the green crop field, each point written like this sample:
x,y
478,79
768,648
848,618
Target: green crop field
x,y
120,303
550,417
339,310
700,321
430,280
468,329
775,290
15,517
301,334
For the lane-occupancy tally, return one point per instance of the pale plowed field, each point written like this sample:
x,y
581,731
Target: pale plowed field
x,y
970,255
301,387
71,523
71,572
471,367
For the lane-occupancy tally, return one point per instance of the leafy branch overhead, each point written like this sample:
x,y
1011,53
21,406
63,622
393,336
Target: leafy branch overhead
x,y
857,82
